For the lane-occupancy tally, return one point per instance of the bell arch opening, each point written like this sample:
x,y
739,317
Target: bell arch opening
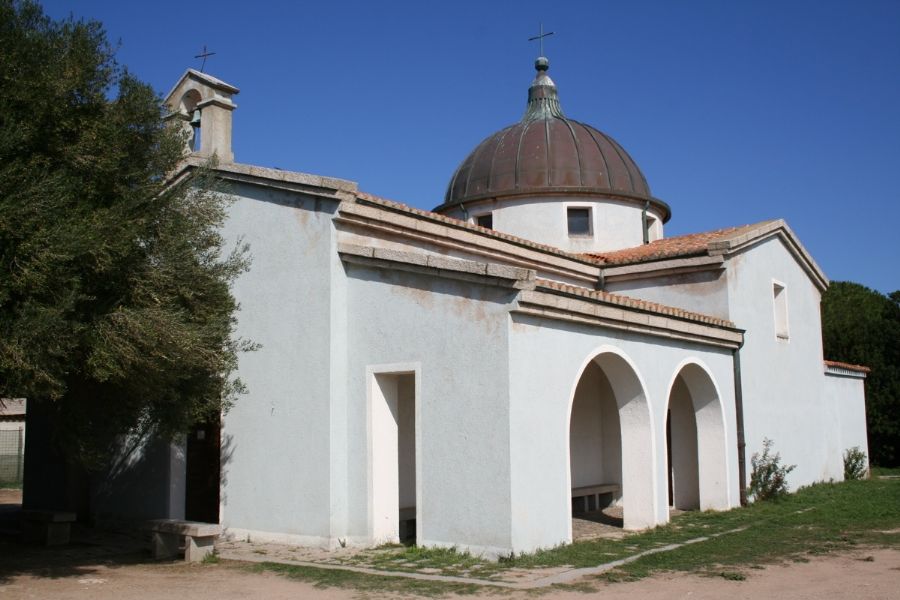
x,y
611,442
188,106
695,442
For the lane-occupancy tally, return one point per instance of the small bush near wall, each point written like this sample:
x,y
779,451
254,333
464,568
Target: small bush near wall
x,y
768,479
855,463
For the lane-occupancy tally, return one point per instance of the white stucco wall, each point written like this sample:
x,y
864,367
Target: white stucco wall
x,y
705,292
546,361
454,335
847,396
595,443
782,379
277,439
683,443
615,224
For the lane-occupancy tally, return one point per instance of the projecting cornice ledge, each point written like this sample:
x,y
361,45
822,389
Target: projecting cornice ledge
x,y
439,266
595,312
292,181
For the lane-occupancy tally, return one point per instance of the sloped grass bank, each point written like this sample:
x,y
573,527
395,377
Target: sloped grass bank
x,y
819,519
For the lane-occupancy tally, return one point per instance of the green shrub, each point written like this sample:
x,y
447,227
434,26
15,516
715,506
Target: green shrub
x,y
855,464
768,479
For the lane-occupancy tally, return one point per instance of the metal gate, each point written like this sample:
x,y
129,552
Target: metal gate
x,y
12,456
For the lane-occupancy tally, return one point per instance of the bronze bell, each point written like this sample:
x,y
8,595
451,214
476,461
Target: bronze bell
x,y
195,118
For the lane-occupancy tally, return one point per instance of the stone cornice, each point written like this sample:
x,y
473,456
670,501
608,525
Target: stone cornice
x,y
314,185
549,304
661,268
547,300
439,266
411,225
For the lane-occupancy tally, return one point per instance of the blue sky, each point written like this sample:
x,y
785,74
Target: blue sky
x,y
736,111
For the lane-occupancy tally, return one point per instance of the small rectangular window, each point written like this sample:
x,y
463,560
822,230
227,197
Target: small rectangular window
x,y
651,235
779,295
579,220
486,221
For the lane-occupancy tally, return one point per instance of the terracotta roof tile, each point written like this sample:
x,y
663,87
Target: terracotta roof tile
x,y
848,366
693,244
635,303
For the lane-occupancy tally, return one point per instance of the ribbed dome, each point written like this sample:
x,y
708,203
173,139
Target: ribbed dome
x,y
547,154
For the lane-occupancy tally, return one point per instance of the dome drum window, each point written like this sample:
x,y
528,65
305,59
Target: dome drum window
x,y
486,220
579,221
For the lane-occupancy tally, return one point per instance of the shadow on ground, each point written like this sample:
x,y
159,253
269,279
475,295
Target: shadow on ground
x,y
88,549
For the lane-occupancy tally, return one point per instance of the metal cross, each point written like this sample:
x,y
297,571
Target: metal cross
x,y
541,38
203,55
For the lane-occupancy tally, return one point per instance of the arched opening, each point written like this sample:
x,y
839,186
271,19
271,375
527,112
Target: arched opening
x,y
611,443
695,430
189,102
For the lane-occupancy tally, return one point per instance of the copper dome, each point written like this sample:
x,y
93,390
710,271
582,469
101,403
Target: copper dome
x,y
547,154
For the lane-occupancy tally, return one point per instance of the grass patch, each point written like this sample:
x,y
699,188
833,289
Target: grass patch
x,y
446,561
11,485
817,520
325,578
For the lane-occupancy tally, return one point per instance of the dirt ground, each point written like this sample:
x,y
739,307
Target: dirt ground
x,y
867,575
94,570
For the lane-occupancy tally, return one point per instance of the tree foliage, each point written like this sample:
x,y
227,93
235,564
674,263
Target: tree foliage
x,y
862,326
115,310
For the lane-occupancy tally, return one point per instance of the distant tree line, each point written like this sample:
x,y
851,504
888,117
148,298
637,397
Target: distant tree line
x,y
862,326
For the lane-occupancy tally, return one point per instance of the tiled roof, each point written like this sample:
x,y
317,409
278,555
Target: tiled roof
x,y
693,244
847,366
635,303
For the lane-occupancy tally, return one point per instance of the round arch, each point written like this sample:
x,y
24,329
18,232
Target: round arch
x,y
609,375
697,438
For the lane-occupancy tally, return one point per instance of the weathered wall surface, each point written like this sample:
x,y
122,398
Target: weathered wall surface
x,y
453,335
547,359
276,439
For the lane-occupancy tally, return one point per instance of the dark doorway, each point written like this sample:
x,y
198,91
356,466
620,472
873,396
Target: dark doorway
x,y
201,502
669,455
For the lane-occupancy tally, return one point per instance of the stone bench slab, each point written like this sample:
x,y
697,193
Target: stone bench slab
x,y
199,538
191,528
600,488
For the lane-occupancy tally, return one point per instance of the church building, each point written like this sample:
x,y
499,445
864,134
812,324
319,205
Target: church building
x,y
469,376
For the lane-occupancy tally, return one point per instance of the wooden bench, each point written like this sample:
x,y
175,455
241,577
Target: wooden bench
x,y
593,491
168,534
47,527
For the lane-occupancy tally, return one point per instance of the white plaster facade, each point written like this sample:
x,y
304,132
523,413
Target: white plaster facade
x,y
416,366
614,223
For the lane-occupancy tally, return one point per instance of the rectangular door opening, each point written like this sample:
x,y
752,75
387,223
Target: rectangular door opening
x,y
394,457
